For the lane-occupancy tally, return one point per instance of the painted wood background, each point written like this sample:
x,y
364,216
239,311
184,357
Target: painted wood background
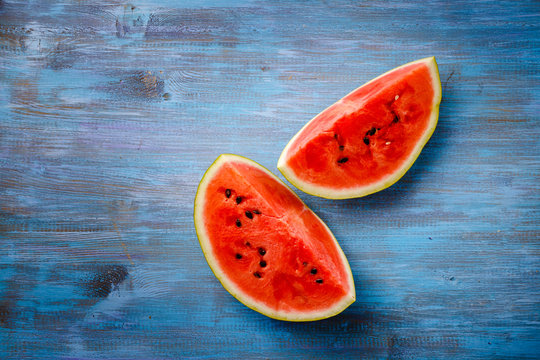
x,y
111,112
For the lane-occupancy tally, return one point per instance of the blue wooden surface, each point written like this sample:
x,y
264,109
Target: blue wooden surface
x,y
111,112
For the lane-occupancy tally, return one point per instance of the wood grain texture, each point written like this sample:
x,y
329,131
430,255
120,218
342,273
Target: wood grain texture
x,y
110,113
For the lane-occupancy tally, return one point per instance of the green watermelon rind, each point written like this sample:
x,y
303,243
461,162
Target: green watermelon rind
x,y
361,191
245,299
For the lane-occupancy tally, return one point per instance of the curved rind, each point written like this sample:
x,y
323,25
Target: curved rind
x,y
204,241
328,193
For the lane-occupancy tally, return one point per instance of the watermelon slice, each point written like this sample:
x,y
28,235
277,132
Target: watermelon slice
x,y
368,140
266,247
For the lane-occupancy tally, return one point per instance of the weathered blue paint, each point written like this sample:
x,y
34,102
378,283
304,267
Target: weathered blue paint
x,y
110,113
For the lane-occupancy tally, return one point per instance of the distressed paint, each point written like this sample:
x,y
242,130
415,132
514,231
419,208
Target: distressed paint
x,y
111,112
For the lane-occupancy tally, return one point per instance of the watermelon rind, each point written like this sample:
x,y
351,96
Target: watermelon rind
x,y
235,291
360,191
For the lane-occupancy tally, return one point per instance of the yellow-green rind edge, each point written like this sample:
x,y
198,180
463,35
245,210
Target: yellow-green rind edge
x,y
367,190
231,288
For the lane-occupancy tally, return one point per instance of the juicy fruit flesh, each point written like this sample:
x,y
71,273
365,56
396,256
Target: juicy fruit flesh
x,y
269,244
367,135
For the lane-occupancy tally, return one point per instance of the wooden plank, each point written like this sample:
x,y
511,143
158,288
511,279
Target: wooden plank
x,y
110,113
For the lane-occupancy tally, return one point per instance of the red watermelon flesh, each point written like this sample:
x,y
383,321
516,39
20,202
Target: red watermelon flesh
x,y
367,140
266,247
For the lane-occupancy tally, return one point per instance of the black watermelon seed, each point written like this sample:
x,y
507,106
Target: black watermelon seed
x,y
238,199
238,256
257,274
313,271
238,223
256,212
228,193
341,147
304,263
249,214
372,131
396,118
335,136
319,281
262,263
366,140
343,160
262,251
248,244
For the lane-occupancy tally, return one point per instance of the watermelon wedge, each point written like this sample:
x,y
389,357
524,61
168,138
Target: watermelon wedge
x,y
266,247
366,141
